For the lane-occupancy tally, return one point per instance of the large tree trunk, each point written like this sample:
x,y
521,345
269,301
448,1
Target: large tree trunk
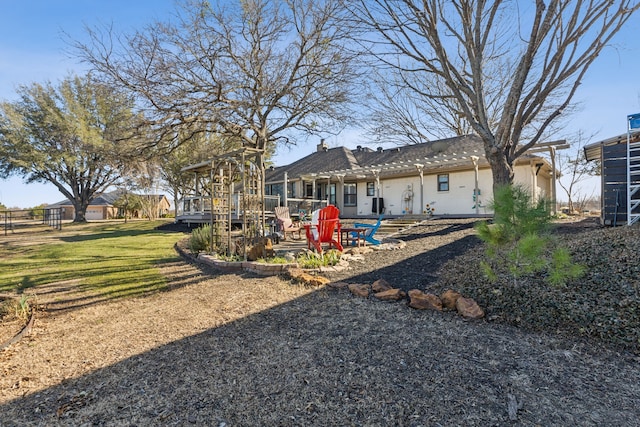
x,y
81,211
501,169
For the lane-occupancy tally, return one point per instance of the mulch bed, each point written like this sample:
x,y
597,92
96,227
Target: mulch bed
x,y
243,351
416,266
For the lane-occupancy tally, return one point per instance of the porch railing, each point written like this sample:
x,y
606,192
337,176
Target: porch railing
x,y
200,205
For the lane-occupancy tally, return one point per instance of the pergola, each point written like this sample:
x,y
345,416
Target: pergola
x,y
234,184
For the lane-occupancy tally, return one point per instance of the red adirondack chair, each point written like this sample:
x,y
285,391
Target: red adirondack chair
x,y
325,229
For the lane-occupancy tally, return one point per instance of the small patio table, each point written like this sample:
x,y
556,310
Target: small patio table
x,y
352,236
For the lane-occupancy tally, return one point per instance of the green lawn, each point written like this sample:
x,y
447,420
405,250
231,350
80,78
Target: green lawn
x,y
114,259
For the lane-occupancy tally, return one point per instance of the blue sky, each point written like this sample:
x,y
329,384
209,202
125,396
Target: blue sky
x,y
33,49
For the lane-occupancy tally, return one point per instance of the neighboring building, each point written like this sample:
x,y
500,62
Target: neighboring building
x,y
616,193
439,177
102,207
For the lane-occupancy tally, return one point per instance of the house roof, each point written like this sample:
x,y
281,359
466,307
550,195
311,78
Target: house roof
x,y
450,153
320,162
434,156
593,151
363,160
460,146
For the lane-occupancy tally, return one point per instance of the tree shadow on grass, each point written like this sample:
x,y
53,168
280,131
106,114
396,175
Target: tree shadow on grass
x,y
111,235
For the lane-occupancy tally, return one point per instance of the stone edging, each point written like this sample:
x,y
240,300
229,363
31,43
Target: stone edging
x,y
261,268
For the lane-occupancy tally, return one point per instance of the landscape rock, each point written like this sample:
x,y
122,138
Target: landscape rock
x,y
341,265
357,250
353,257
469,309
360,290
263,248
390,295
302,276
380,285
295,273
424,301
389,245
338,285
316,280
449,298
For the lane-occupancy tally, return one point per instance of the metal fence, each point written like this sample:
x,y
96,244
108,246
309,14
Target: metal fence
x,y
19,220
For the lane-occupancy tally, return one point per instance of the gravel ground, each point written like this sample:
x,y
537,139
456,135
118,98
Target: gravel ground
x,y
416,266
236,350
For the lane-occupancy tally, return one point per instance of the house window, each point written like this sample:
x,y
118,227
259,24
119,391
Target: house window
x,y
326,192
308,190
274,190
371,188
291,189
350,196
443,182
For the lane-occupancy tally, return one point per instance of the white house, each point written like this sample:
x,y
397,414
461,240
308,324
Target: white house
x,y
444,177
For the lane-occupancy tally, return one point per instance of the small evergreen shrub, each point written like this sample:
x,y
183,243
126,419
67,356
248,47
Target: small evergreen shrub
x,y
518,242
200,240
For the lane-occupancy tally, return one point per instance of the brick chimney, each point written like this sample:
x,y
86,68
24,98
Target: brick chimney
x,y
323,146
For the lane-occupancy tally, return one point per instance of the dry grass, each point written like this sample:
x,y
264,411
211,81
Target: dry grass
x,y
237,350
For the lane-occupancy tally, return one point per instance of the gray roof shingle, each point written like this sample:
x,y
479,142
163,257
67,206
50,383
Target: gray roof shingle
x,y
344,159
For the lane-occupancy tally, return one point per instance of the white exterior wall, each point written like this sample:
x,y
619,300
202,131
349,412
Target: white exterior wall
x,y
457,201
544,186
539,185
525,176
401,196
364,201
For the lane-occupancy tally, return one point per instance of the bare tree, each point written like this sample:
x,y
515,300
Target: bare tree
x,y
511,68
576,169
406,109
147,180
253,69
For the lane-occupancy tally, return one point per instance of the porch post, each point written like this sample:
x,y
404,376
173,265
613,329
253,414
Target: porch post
x,y
475,159
341,182
376,174
420,168
285,198
329,189
534,182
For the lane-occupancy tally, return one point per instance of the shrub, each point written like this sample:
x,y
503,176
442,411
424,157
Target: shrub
x,y
515,215
518,242
274,260
310,259
603,304
200,240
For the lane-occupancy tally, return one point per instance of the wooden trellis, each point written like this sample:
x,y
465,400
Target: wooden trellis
x,y
233,184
